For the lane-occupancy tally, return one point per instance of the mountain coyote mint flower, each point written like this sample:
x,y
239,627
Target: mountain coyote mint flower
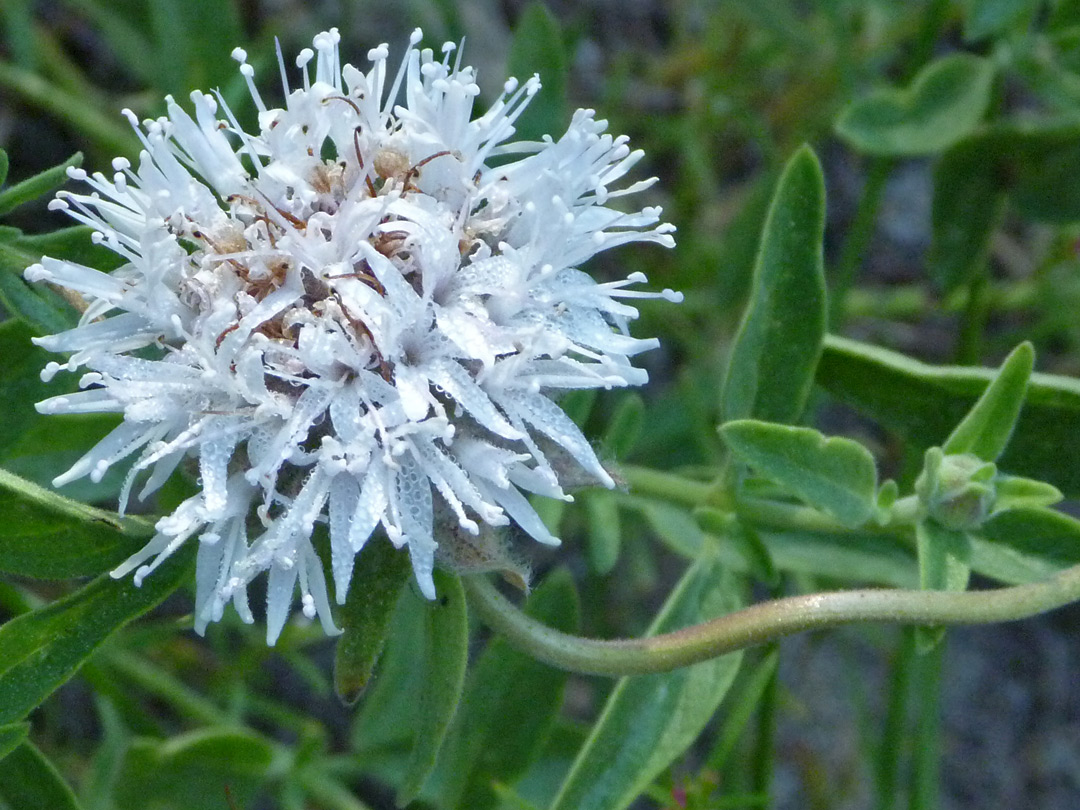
x,y
359,315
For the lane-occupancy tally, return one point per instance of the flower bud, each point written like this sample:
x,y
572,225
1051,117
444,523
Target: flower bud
x,y
958,491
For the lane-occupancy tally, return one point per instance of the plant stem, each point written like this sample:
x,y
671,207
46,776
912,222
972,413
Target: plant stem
x,y
926,761
765,744
891,752
671,487
973,321
765,622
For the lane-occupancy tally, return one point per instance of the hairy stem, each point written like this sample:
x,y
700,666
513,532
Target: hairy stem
x,y
764,622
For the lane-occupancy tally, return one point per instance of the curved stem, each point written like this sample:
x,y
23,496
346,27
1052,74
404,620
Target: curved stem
x,y
764,622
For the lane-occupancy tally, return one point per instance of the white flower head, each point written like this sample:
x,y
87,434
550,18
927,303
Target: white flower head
x,y
359,315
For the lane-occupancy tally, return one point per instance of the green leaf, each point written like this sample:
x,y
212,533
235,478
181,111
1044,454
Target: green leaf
x,y
923,403
967,206
73,244
365,617
20,375
12,735
776,350
40,447
624,427
3,166
675,526
986,429
537,47
388,711
28,781
887,495
447,644
605,534
859,557
1013,492
192,770
836,475
1049,537
42,309
37,186
40,650
509,707
51,537
944,103
991,18
649,720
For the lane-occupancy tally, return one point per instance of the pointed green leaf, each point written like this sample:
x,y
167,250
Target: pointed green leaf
x,y
11,735
37,186
29,781
382,571
835,475
447,645
986,429
887,495
1013,492
509,707
537,47
945,102
40,650
388,709
51,537
605,533
771,368
923,403
3,166
649,720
